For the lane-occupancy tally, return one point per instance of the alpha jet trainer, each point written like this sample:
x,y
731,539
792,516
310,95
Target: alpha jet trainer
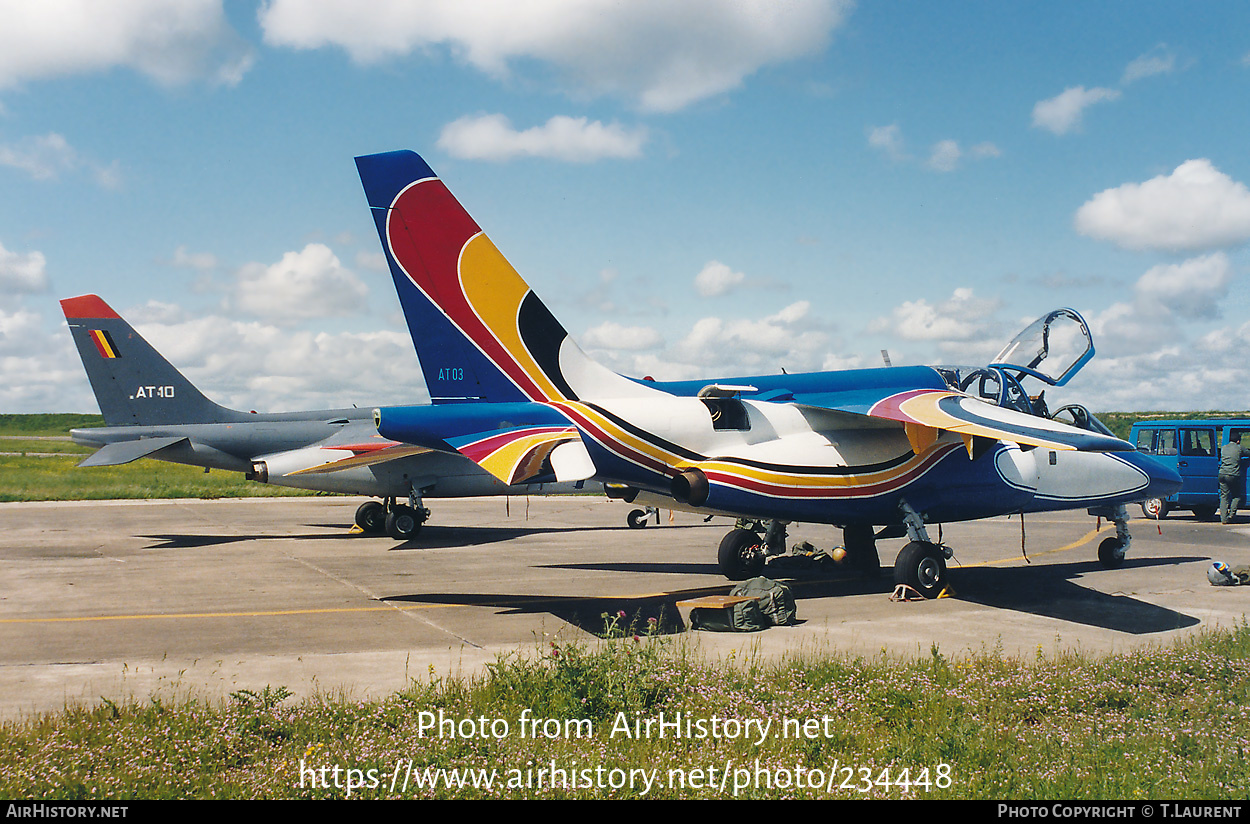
x,y
151,410
897,447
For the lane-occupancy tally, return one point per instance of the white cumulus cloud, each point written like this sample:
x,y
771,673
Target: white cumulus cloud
x,y
22,272
1191,289
170,41
1196,207
1062,113
310,283
612,335
570,139
958,318
717,279
661,55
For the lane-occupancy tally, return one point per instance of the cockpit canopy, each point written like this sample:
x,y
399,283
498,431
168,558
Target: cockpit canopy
x,y
1060,339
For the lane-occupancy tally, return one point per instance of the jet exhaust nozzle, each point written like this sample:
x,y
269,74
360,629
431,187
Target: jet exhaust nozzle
x,y
691,487
259,473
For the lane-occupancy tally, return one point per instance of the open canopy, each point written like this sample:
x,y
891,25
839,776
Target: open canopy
x,y
1052,349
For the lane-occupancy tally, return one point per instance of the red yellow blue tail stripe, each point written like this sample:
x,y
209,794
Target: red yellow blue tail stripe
x,y
103,343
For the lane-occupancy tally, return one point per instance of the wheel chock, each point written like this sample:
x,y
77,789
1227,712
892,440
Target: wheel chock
x,y
946,592
903,592
355,530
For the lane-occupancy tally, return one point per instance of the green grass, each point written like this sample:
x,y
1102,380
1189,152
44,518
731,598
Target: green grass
x,y
1164,723
58,479
47,424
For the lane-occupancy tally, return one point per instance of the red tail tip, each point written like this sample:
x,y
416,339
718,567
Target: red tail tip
x,y
87,306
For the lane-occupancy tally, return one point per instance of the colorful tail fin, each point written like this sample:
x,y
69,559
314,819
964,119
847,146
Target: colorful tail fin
x,y
133,383
480,333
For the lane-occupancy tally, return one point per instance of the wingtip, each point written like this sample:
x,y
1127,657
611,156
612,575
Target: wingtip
x,y
87,306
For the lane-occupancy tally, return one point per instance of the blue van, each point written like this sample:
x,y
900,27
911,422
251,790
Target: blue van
x,y
1192,448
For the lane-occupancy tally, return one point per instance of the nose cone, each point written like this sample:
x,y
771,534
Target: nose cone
x,y
1164,480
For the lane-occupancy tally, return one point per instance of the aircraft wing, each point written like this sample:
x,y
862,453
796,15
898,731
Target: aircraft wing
x,y
924,413
123,452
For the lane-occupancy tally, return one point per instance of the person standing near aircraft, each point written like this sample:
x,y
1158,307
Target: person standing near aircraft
x,y
1232,476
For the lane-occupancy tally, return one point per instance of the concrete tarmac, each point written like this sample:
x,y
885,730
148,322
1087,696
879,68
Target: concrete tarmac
x,y
134,599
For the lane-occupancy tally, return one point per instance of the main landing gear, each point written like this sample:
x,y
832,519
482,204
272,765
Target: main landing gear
x,y
921,564
400,521
743,551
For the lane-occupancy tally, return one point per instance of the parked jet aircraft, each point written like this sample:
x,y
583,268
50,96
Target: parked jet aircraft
x,y
152,411
895,447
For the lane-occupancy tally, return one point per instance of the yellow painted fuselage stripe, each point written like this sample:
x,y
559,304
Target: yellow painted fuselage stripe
x,y
793,479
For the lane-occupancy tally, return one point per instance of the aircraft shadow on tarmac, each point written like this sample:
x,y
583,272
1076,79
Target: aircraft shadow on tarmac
x,y
454,537
1046,590
590,614
1050,590
184,541
430,537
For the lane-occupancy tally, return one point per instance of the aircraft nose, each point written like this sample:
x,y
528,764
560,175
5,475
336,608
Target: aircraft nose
x,y
1164,480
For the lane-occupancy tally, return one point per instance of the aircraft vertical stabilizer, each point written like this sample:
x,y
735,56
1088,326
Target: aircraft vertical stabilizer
x,y
133,383
481,333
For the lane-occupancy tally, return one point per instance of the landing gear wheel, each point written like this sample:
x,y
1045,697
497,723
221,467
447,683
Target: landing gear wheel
x,y
921,566
741,555
637,518
371,517
1111,553
1156,508
402,523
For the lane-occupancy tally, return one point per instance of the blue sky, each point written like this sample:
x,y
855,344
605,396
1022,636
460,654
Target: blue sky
x,y
696,189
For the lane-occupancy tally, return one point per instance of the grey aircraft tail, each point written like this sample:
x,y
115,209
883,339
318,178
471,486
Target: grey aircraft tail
x,y
133,383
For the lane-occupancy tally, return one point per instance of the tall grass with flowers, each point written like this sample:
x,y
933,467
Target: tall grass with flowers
x,y
1168,722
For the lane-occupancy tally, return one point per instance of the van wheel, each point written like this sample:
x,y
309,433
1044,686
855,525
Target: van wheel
x,y
1155,508
1205,513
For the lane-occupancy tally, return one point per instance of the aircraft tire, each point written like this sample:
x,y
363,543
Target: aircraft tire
x,y
371,517
741,555
402,523
1155,508
1111,553
921,566
637,519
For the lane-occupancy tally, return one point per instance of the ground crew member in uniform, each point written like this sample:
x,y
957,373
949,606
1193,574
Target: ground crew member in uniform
x,y
1232,481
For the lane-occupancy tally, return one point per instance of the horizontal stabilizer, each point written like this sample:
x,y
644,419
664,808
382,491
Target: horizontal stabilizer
x,y
123,452
519,455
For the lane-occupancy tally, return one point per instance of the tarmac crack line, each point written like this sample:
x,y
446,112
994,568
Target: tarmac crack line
x,y
421,619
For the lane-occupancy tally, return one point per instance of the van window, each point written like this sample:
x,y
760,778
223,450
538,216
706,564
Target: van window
x,y
1146,440
1167,442
1237,430
1198,442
